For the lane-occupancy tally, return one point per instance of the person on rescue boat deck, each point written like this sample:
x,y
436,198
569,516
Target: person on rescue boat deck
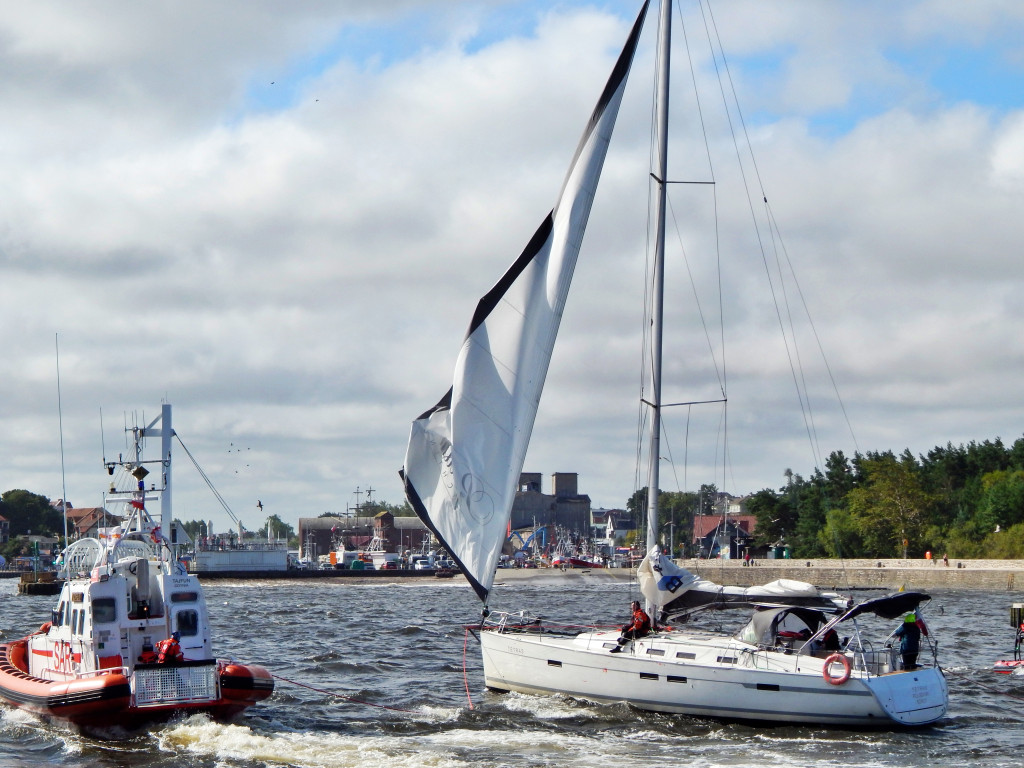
x,y
168,651
637,628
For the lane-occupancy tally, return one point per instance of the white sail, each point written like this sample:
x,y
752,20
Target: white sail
x,y
465,455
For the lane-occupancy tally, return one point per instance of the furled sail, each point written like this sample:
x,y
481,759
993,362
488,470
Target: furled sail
x,y
465,454
674,591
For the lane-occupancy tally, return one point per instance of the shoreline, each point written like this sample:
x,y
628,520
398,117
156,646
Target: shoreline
x,y
892,574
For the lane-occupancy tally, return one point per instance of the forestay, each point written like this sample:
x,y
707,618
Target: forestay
x,y
465,454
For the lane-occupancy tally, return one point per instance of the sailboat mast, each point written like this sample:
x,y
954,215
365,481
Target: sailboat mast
x,y
60,425
658,293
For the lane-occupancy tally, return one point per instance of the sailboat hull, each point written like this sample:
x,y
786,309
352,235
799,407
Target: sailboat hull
x,y
703,677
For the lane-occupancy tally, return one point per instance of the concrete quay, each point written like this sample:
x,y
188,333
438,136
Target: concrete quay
x,y
990,575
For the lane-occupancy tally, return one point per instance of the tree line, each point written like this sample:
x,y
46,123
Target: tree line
x,y
964,501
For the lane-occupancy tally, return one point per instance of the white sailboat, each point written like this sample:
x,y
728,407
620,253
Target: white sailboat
x,y
461,471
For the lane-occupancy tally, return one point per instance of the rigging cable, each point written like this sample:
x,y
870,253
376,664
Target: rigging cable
x,y
341,696
209,482
773,227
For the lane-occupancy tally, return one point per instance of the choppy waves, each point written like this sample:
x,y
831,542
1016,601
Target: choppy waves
x,y
376,675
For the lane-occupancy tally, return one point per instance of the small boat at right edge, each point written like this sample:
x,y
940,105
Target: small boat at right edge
x,y
1014,666
802,657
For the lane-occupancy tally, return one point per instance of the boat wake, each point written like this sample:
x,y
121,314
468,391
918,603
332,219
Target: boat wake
x,y
200,737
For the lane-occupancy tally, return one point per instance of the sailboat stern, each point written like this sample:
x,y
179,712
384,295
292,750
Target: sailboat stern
x,y
914,698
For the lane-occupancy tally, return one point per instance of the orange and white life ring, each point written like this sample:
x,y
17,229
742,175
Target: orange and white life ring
x,y
826,669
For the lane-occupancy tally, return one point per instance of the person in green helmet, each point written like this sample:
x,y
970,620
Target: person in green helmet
x,y
909,633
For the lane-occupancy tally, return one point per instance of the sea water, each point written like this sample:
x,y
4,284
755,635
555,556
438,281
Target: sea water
x,y
375,674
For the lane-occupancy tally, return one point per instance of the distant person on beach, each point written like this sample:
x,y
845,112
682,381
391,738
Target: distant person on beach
x,y
945,560
637,628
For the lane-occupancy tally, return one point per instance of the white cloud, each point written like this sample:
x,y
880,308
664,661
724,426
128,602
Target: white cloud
x,y
296,278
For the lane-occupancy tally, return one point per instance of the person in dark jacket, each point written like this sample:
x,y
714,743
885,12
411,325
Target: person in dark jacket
x,y
637,628
909,633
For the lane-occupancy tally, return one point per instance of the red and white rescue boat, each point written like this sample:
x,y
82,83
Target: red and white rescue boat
x,y
129,639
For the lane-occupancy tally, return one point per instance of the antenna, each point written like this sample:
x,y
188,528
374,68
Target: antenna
x,y
60,426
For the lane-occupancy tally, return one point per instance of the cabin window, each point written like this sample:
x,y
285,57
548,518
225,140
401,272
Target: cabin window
x,y
58,614
74,619
104,610
188,623
81,621
184,597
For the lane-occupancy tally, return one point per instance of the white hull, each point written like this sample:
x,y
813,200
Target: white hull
x,y
708,676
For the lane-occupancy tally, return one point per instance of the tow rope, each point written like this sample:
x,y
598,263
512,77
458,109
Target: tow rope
x,y
465,678
989,688
341,696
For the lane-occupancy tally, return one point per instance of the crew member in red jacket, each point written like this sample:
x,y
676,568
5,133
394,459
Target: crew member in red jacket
x,y
168,651
637,628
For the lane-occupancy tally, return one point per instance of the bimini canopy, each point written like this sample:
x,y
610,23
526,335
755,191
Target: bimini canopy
x,y
764,626
890,606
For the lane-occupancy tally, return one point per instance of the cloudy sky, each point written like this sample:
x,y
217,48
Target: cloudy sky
x,y
279,217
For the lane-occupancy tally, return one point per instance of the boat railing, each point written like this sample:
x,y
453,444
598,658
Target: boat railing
x,y
87,674
185,682
874,662
520,622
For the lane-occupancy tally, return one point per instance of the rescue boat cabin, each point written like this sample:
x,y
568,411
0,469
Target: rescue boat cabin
x,y
114,610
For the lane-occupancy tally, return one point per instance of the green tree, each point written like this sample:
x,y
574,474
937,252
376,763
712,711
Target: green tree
x,y
400,510
675,514
1002,500
811,504
707,496
636,504
841,535
892,507
279,528
28,511
772,514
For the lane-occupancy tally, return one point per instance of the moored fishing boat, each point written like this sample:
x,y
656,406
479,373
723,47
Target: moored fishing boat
x,y
786,664
129,640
